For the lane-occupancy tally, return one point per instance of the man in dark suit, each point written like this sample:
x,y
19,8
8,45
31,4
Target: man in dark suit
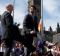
x,y
30,25
11,32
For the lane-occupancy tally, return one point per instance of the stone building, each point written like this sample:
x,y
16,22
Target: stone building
x,y
56,38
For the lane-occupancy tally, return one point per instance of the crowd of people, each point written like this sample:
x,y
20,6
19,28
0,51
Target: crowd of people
x,y
42,49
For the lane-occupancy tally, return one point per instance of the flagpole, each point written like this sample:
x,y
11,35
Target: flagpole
x,y
13,8
42,33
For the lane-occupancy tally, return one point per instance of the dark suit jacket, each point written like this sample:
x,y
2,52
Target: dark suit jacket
x,y
28,23
8,29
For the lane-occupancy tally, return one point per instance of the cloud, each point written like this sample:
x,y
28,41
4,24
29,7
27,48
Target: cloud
x,y
49,5
19,17
48,22
21,7
53,9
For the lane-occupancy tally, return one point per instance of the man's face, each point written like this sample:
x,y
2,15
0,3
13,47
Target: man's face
x,y
32,10
10,8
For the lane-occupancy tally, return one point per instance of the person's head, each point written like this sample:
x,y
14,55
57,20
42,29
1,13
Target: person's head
x,y
9,7
32,9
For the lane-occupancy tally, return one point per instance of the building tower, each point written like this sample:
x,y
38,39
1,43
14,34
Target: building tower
x,y
37,3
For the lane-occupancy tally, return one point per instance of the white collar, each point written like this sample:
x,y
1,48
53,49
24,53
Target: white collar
x,y
7,11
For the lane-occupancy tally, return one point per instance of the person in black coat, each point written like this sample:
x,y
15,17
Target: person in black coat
x,y
11,32
30,25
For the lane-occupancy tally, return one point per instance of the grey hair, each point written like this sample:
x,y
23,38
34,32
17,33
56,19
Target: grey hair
x,y
9,5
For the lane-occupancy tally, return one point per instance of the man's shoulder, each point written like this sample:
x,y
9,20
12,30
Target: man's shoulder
x,y
5,13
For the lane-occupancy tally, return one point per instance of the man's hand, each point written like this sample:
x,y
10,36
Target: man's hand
x,y
32,32
17,24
